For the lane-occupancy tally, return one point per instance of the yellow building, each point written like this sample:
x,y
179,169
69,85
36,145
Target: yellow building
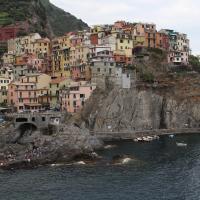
x,y
41,80
24,44
61,57
54,90
4,82
42,48
79,55
8,58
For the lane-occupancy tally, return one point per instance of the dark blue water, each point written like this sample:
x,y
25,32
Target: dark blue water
x,y
161,170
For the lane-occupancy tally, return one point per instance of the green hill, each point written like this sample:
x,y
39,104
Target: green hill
x,y
42,16
61,21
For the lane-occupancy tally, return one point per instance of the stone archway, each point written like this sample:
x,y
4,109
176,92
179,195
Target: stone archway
x,y
24,130
27,126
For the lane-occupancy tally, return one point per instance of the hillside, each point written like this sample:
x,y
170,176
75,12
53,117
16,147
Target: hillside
x,y
40,15
61,21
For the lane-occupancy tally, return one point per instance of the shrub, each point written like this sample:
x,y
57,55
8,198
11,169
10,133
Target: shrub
x,y
147,77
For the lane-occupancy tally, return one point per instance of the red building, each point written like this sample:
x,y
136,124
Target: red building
x,y
94,39
162,41
122,59
10,31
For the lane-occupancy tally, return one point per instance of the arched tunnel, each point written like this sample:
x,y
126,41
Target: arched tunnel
x,y
25,129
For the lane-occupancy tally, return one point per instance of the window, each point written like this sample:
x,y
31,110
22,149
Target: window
x,y
43,119
121,41
98,69
33,119
74,96
21,108
82,95
21,119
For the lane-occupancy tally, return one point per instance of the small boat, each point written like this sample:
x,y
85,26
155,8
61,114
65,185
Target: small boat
x,y
171,136
146,139
139,139
180,144
110,146
156,137
80,163
136,140
149,138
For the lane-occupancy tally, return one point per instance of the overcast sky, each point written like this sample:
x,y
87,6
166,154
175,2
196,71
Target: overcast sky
x,y
181,15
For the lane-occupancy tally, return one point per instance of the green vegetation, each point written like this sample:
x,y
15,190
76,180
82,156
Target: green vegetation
x,y
12,11
5,19
3,48
61,21
147,77
42,16
194,61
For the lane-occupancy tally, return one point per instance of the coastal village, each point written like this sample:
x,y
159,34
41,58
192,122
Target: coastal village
x,y
39,74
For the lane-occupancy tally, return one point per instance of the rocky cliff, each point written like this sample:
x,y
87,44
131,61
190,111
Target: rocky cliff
x,y
171,103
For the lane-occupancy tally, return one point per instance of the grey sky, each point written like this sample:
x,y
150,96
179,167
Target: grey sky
x,y
181,15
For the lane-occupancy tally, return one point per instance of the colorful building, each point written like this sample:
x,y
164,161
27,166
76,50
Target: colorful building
x,y
30,93
55,86
74,97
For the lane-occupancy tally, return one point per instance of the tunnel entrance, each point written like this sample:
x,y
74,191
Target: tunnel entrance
x,y
24,131
27,127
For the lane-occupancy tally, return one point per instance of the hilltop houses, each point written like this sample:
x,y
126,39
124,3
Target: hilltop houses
x,y
62,73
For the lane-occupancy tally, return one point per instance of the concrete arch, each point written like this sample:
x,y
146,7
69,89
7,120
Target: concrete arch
x,y
27,126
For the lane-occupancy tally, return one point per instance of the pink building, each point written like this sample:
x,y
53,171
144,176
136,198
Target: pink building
x,y
22,95
76,40
79,72
36,63
74,97
30,93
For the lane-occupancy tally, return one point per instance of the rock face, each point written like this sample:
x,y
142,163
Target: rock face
x,y
126,110
39,148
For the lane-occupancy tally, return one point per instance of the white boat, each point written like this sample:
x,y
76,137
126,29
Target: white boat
x,y
146,139
156,137
136,140
171,136
180,144
149,138
139,139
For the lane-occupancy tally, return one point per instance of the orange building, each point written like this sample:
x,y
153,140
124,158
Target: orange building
x,y
162,41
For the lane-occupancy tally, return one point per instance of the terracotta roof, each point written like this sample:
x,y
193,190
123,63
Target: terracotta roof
x,y
58,80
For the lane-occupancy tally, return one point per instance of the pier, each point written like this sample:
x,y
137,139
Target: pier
x,y
130,135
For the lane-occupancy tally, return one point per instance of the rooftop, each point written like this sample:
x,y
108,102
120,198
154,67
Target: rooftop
x,y
58,80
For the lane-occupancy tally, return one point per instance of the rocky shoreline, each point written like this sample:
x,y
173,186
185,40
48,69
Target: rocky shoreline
x,y
31,149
